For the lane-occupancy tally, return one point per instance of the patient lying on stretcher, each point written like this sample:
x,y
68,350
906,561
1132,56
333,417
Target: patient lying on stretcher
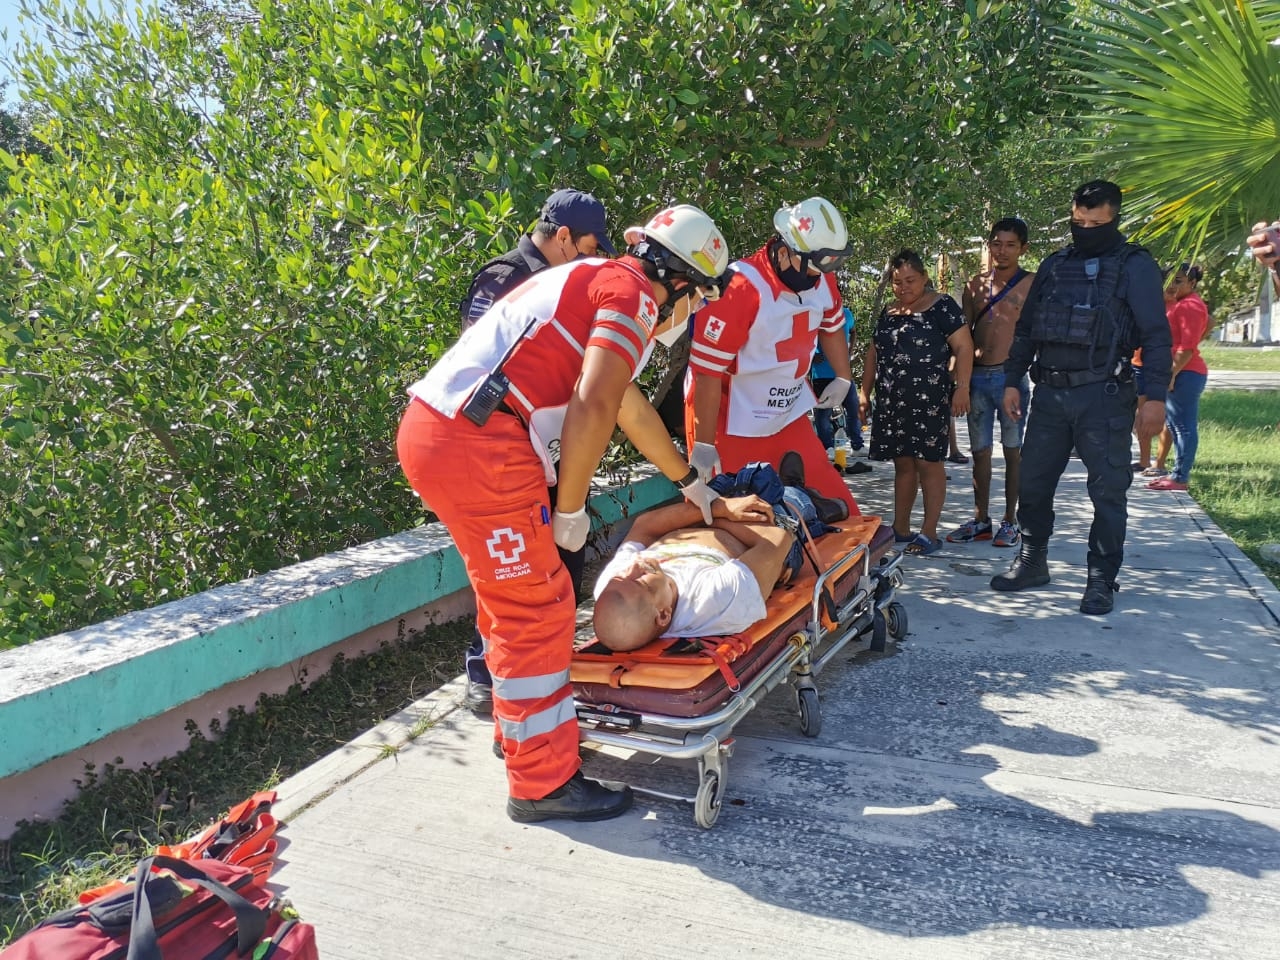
x,y
675,577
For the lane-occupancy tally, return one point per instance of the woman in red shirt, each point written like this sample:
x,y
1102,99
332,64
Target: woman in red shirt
x,y
1189,321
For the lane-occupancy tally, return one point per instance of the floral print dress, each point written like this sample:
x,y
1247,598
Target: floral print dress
x,y
913,387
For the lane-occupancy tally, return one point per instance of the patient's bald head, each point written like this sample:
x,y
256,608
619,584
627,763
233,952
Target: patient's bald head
x,y
624,620
635,606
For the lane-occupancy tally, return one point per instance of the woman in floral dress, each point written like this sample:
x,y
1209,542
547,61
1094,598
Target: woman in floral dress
x,y
915,338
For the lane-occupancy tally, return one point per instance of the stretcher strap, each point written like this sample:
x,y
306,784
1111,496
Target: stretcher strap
x,y
803,534
721,653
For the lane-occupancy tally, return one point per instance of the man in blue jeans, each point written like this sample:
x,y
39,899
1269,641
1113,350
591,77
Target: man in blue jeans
x,y
992,302
821,374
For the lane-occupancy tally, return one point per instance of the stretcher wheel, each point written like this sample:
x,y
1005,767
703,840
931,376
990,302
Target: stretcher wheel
x,y
879,631
896,618
706,805
810,711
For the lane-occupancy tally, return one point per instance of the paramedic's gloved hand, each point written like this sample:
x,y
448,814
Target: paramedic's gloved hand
x,y
834,394
705,460
699,494
570,529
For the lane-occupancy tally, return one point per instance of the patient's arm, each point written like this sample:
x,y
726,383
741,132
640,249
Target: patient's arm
x,y
766,551
653,525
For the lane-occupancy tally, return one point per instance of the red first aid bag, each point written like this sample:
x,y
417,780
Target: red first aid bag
x,y
173,910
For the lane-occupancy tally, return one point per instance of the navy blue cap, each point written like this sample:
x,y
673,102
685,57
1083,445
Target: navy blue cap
x,y
581,213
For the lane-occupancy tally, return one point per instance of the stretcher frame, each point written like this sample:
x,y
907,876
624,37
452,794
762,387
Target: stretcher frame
x,y
870,607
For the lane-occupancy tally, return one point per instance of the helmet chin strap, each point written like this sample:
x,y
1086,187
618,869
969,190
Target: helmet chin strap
x,y
668,308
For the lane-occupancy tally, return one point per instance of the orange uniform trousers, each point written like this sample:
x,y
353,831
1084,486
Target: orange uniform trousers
x,y
488,488
736,452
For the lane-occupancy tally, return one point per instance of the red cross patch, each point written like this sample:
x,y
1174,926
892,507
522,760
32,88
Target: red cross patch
x,y
664,219
713,330
648,315
505,540
804,224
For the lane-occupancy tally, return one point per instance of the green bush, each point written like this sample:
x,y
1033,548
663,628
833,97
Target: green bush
x,y
214,291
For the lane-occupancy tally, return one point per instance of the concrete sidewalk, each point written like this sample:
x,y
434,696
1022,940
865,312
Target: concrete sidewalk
x,y
1014,780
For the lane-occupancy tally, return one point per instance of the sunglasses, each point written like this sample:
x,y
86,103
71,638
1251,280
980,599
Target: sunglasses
x,y
824,261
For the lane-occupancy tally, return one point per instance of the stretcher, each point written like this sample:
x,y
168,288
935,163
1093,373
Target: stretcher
x,y
682,698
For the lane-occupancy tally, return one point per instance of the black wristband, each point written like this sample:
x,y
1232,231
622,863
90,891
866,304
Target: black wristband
x,y
688,480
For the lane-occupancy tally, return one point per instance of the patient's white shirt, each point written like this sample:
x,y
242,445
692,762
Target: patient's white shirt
x,y
716,595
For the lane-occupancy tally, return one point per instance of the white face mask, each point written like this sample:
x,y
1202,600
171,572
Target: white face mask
x,y
669,338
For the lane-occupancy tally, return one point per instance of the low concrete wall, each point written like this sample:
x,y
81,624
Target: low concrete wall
x,y
125,688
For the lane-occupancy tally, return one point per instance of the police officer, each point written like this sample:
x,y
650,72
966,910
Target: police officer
x,y
1089,306
570,225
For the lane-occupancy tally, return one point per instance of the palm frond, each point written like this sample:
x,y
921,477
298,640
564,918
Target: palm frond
x,y
1184,96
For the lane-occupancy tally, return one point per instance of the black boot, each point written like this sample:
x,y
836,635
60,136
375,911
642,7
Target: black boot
x,y
1031,569
579,799
1098,600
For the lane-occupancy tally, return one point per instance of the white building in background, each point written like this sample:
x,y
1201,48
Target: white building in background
x,y
1259,324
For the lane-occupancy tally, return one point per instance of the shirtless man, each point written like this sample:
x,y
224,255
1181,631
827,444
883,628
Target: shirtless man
x,y
992,303
674,577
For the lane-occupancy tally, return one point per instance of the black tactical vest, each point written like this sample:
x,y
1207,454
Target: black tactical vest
x,y
1081,302
473,306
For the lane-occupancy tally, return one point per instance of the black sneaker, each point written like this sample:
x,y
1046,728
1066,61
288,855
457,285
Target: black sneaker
x,y
478,696
791,469
580,799
858,466
830,511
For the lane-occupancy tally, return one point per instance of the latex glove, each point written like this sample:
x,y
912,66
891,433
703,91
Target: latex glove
x,y
702,496
570,529
705,460
834,394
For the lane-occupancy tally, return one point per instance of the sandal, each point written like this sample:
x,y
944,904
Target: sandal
x,y
1155,472
922,546
904,537
957,457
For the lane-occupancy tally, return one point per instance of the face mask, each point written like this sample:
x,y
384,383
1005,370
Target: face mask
x,y
797,280
1091,241
669,338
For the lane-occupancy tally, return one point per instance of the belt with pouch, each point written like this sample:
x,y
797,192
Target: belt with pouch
x,y
1060,379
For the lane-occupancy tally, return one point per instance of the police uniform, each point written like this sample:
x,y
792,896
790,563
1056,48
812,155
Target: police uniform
x,y
489,487
499,277
1083,318
759,340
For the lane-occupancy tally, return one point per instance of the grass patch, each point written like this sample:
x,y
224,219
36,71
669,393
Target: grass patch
x,y
119,814
1218,357
1236,478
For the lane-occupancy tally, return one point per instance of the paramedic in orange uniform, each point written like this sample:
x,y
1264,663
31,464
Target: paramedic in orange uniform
x,y
562,349
747,395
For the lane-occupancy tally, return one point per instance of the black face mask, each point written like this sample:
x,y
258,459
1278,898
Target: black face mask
x,y
796,280
1091,241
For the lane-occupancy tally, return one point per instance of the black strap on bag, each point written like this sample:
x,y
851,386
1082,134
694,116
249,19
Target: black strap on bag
x,y
1013,282
251,921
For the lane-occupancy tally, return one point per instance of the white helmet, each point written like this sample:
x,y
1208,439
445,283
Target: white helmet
x,y
682,241
815,230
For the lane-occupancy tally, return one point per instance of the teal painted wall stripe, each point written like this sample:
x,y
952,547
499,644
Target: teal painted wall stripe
x,y
64,692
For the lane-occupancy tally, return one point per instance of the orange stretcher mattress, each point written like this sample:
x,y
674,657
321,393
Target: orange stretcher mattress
x,y
690,677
